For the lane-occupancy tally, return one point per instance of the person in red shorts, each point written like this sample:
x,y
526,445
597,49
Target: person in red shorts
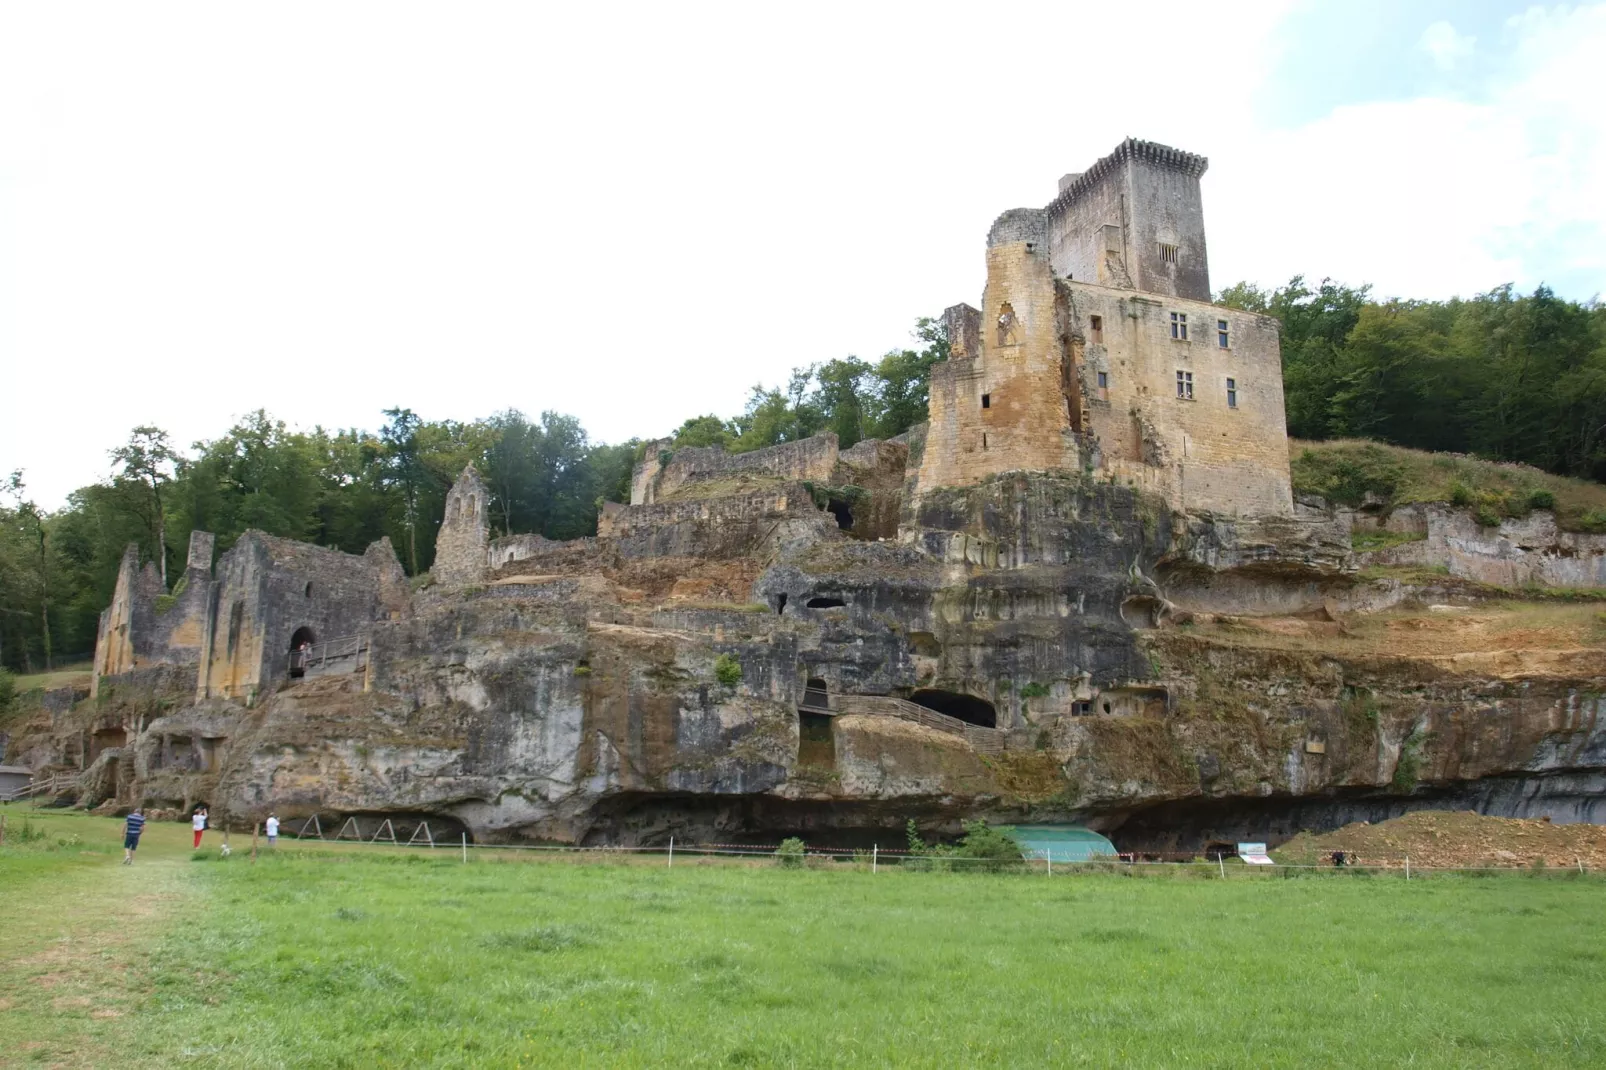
x,y
198,823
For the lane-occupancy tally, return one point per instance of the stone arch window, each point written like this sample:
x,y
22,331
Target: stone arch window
x,y
1008,326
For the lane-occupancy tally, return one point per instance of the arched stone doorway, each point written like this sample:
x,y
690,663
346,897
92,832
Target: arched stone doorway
x,y
301,644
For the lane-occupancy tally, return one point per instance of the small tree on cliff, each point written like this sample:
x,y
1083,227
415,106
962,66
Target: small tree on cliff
x,y
147,463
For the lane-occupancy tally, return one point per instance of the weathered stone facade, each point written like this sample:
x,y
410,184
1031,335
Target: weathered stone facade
x,y
461,545
1136,377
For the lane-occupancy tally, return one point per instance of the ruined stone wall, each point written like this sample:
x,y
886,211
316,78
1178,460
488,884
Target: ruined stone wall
x,y
460,544
268,589
1203,454
144,626
1007,409
512,548
1520,552
711,527
810,459
1108,226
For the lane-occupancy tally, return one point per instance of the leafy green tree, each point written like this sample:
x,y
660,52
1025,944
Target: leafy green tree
x,y
146,461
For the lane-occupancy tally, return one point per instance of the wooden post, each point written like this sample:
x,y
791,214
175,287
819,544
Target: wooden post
x,y
671,852
2,830
1221,860
1048,856
1580,861
1407,867
255,826
465,848
875,852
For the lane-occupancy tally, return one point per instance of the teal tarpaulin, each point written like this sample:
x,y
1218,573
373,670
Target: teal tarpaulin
x,y
1061,843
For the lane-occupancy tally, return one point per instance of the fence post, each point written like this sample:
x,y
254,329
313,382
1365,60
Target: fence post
x,y
465,848
875,851
255,825
1048,856
671,852
1580,861
1407,867
1221,860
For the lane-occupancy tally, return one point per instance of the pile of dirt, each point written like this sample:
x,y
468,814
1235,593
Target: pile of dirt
x,y
1435,838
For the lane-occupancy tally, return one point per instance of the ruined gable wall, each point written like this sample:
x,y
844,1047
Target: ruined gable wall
x,y
1201,455
460,544
811,459
144,627
1005,410
268,588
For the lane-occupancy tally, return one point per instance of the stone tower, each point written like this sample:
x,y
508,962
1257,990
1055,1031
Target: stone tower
x,y
1007,399
461,543
1134,221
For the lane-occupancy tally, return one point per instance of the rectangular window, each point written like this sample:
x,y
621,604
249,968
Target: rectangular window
x,y
1168,253
1104,380
1096,323
986,401
1179,326
1232,393
1221,333
1185,385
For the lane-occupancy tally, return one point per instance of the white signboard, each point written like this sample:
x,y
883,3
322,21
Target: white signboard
x,y
1254,854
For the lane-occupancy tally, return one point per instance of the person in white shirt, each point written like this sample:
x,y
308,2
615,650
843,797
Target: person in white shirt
x,y
273,830
198,823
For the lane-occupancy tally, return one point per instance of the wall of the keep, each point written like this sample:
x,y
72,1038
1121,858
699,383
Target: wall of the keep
x,y
1201,454
1149,203
1011,407
144,626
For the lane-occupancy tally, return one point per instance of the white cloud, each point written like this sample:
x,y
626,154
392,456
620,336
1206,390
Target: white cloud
x,y
1433,197
1447,47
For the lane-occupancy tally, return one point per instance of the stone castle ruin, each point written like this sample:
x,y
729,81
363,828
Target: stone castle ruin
x,y
985,616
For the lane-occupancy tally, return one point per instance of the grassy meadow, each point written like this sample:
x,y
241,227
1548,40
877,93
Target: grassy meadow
x,y
345,957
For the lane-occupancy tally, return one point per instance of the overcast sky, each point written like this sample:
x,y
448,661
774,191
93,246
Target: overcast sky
x,y
634,213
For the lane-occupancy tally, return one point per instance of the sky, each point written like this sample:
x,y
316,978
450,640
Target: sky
x,y
634,213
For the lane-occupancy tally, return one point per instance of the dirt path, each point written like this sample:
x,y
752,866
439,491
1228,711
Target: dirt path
x,y
74,945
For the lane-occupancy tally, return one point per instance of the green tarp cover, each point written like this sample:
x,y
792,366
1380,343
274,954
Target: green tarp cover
x,y
1061,843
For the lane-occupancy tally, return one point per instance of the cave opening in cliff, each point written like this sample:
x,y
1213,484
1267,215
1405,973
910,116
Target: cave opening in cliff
x,y
968,708
825,603
816,742
842,511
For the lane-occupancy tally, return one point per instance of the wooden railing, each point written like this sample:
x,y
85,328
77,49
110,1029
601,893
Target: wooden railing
x,y
346,654
50,785
984,740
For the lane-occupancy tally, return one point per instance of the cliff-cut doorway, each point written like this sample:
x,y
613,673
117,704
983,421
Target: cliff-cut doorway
x,y
301,651
968,708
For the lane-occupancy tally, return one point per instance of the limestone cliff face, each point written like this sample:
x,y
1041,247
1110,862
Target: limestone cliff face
x,y
1043,646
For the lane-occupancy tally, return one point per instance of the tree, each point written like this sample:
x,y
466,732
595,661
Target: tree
x,y
30,515
147,460
404,472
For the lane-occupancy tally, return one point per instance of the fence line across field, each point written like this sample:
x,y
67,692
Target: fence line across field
x,y
876,855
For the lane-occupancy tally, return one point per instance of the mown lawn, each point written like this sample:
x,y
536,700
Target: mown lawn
x,y
319,958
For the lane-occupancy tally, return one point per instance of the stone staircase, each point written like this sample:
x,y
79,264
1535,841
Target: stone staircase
x,y
983,740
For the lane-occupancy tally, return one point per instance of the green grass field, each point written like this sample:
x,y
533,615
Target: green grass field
x,y
333,957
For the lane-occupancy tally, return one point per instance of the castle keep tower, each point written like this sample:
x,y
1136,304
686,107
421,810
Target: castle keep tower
x,y
1097,350
1134,221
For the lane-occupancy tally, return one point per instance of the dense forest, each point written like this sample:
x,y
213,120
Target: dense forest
x,y
1502,375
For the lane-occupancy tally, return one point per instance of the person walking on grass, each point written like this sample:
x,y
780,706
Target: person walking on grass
x,y
198,823
273,829
131,830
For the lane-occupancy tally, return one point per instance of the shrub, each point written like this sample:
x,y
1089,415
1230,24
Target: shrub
x,y
1034,690
1486,516
664,457
1348,477
791,852
1593,521
1460,493
993,846
1539,498
727,670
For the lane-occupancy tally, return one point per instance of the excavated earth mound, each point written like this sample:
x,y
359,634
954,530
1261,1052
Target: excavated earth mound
x,y
1448,839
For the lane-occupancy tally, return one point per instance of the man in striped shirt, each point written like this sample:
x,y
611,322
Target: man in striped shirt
x,y
131,831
